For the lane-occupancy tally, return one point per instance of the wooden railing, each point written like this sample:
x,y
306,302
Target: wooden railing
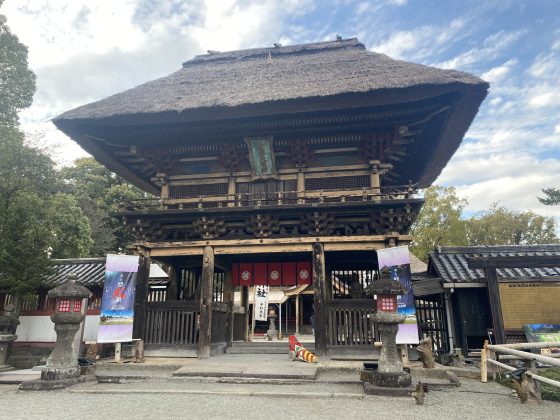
x,y
172,322
273,199
350,322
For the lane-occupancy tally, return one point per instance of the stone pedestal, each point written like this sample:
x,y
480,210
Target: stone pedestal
x,y
5,340
272,332
63,362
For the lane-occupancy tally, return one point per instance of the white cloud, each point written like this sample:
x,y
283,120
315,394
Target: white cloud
x,y
497,74
421,43
492,47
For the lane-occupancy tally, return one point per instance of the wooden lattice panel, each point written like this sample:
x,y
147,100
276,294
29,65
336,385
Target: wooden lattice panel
x,y
337,183
186,191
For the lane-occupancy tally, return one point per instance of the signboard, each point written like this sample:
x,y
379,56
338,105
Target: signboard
x,y
397,259
261,303
529,303
543,333
261,154
117,303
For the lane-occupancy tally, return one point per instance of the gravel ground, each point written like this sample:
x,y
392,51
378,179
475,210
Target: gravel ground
x,y
471,400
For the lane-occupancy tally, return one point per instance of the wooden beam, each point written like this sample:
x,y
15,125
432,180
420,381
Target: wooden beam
x,y
495,305
530,261
207,284
140,297
319,299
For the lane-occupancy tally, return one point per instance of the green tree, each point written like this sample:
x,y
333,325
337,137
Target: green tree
x,y
17,82
99,193
501,226
439,221
70,228
35,222
552,196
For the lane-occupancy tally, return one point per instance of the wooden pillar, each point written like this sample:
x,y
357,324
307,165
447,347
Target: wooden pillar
x,y
495,304
228,299
375,181
231,190
207,284
245,304
141,297
319,299
300,184
297,314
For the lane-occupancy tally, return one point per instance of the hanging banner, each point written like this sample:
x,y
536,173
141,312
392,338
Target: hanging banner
x,y
397,259
117,303
261,303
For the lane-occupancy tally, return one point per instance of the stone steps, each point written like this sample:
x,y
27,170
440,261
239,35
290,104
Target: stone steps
x,y
263,347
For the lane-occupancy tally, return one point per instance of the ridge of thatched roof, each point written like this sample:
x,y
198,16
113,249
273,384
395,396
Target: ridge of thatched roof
x,y
265,75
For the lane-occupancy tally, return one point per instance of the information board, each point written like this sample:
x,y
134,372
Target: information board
x,y
530,303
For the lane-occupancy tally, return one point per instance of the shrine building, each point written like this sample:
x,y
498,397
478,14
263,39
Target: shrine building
x,y
283,166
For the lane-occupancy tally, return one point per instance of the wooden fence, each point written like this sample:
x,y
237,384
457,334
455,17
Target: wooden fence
x,y
219,318
350,322
172,322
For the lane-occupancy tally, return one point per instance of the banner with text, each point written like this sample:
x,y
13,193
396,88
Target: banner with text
x,y
261,303
397,260
117,303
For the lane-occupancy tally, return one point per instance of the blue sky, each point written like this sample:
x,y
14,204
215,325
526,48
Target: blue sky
x,y
83,51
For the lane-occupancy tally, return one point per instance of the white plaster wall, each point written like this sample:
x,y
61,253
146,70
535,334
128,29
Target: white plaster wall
x,y
41,328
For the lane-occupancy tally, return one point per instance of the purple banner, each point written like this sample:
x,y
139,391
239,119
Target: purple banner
x,y
397,260
117,303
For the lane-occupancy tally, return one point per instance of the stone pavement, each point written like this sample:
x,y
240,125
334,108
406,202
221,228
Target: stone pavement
x,y
17,376
183,398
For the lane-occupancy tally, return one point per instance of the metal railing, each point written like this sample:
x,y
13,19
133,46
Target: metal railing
x,y
491,353
280,198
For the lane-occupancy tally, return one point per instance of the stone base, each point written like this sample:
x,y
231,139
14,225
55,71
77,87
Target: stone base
x,y
41,385
391,380
272,334
371,389
54,373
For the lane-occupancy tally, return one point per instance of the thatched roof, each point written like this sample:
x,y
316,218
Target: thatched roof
x,y
255,84
263,75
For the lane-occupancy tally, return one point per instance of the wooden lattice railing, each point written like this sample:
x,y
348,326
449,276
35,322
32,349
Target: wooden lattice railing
x,y
350,322
172,322
282,198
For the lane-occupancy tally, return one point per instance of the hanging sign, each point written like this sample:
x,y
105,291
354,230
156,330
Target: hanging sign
x,y
261,303
117,303
397,260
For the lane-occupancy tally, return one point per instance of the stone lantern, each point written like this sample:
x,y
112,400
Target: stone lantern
x,y
69,312
8,326
389,373
272,332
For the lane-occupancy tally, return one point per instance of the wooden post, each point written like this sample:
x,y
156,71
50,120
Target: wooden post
x,y
228,298
207,284
495,304
297,314
301,184
319,301
483,364
375,181
171,293
245,303
117,352
231,191
141,296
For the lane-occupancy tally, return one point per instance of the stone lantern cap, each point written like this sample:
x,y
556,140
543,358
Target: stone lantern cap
x,y
70,289
386,286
